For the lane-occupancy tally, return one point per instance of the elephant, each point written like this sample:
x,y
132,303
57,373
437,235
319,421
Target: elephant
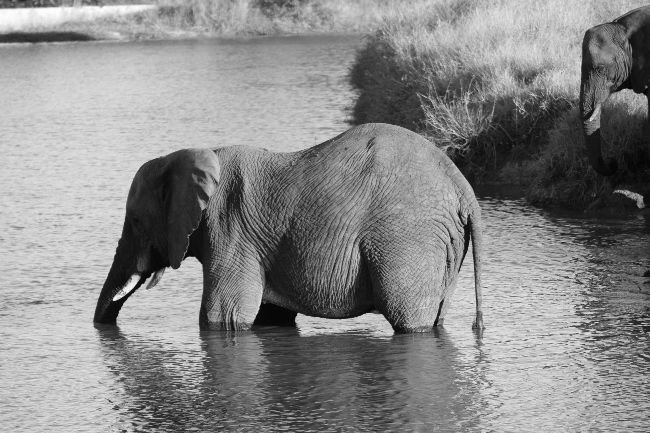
x,y
615,56
377,219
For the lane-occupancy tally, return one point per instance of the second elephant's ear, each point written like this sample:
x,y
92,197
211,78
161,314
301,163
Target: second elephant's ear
x,y
192,176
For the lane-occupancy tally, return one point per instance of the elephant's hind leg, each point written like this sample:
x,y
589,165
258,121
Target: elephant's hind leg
x,y
407,290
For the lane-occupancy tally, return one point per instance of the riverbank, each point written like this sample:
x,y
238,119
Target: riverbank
x,y
169,19
496,84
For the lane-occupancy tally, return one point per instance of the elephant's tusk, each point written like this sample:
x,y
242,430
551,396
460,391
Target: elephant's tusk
x,y
128,287
155,278
634,196
595,114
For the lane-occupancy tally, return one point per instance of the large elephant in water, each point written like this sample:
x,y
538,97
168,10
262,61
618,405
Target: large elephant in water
x,y
615,56
377,218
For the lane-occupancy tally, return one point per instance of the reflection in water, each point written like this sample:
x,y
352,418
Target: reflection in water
x,y
277,379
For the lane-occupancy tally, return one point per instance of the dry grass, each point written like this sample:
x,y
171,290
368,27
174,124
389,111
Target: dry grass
x,y
182,18
495,83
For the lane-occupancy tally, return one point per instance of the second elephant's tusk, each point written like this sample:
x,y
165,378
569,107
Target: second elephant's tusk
x,y
595,114
634,196
128,287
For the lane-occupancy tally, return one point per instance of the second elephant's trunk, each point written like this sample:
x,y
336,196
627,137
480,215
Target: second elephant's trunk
x,y
593,142
593,93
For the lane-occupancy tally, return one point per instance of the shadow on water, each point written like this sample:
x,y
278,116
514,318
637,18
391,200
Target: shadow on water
x,y
277,379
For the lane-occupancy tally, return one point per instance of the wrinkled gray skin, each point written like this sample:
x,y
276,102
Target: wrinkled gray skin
x,y
615,56
376,218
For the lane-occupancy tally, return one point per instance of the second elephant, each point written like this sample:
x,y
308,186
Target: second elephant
x,y
615,56
376,218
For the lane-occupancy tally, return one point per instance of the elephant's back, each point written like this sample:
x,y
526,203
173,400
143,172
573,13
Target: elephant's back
x,y
373,170
366,137
376,162
403,158
383,148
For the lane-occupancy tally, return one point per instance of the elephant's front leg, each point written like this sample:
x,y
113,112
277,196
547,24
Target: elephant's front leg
x,y
232,294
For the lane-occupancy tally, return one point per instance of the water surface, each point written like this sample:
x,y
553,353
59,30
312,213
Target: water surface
x,y
567,344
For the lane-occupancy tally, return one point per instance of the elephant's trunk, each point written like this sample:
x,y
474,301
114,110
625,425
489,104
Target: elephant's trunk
x,y
121,282
592,95
593,142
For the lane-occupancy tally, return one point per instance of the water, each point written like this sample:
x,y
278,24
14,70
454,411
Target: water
x,y
567,344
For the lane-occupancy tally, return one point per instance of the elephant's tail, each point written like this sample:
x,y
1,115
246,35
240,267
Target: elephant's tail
x,y
476,233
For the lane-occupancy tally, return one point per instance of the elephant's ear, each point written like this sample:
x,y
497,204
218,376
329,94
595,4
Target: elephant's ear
x,y
191,179
640,59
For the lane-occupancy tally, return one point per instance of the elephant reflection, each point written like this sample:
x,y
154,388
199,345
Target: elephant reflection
x,y
372,384
165,390
269,379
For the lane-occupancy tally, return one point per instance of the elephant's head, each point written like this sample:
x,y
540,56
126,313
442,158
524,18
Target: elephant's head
x,y
164,207
606,68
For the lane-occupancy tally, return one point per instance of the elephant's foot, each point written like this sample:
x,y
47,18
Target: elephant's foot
x,y
223,326
272,315
216,322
